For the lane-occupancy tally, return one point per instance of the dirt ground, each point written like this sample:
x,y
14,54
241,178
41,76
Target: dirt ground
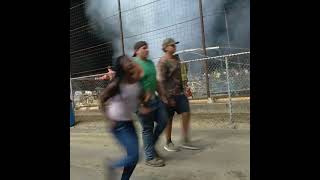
x,y
224,154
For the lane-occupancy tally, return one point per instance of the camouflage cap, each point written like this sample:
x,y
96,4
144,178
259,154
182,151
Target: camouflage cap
x,y
167,42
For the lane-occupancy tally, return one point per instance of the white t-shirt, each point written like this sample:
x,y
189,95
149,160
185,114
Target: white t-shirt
x,y
121,106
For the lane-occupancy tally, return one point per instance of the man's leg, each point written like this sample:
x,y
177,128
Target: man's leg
x,y
169,146
183,108
168,131
147,134
185,125
161,118
147,123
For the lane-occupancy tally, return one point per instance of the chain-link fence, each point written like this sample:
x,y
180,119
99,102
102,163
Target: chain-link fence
x,y
229,78
238,71
85,90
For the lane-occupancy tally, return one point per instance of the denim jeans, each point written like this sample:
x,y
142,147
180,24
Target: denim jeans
x,y
125,133
151,133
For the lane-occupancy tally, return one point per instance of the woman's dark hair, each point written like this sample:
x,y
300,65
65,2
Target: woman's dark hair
x,y
113,88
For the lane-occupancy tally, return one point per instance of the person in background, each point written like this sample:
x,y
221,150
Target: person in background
x,y
152,110
172,77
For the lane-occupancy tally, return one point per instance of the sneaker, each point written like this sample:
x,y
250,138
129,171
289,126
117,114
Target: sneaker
x,y
171,147
188,145
155,162
158,157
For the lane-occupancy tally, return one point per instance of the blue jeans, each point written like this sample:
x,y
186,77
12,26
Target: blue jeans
x,y
151,133
125,133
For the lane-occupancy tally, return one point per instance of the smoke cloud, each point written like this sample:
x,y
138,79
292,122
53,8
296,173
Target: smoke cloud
x,y
155,20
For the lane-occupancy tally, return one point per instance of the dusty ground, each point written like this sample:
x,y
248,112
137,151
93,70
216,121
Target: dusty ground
x,y
225,153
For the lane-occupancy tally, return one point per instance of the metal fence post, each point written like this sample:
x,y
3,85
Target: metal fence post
x,y
204,51
229,91
71,92
226,24
121,30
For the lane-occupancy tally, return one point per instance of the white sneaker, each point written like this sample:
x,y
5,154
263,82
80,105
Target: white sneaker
x,y
187,145
171,147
